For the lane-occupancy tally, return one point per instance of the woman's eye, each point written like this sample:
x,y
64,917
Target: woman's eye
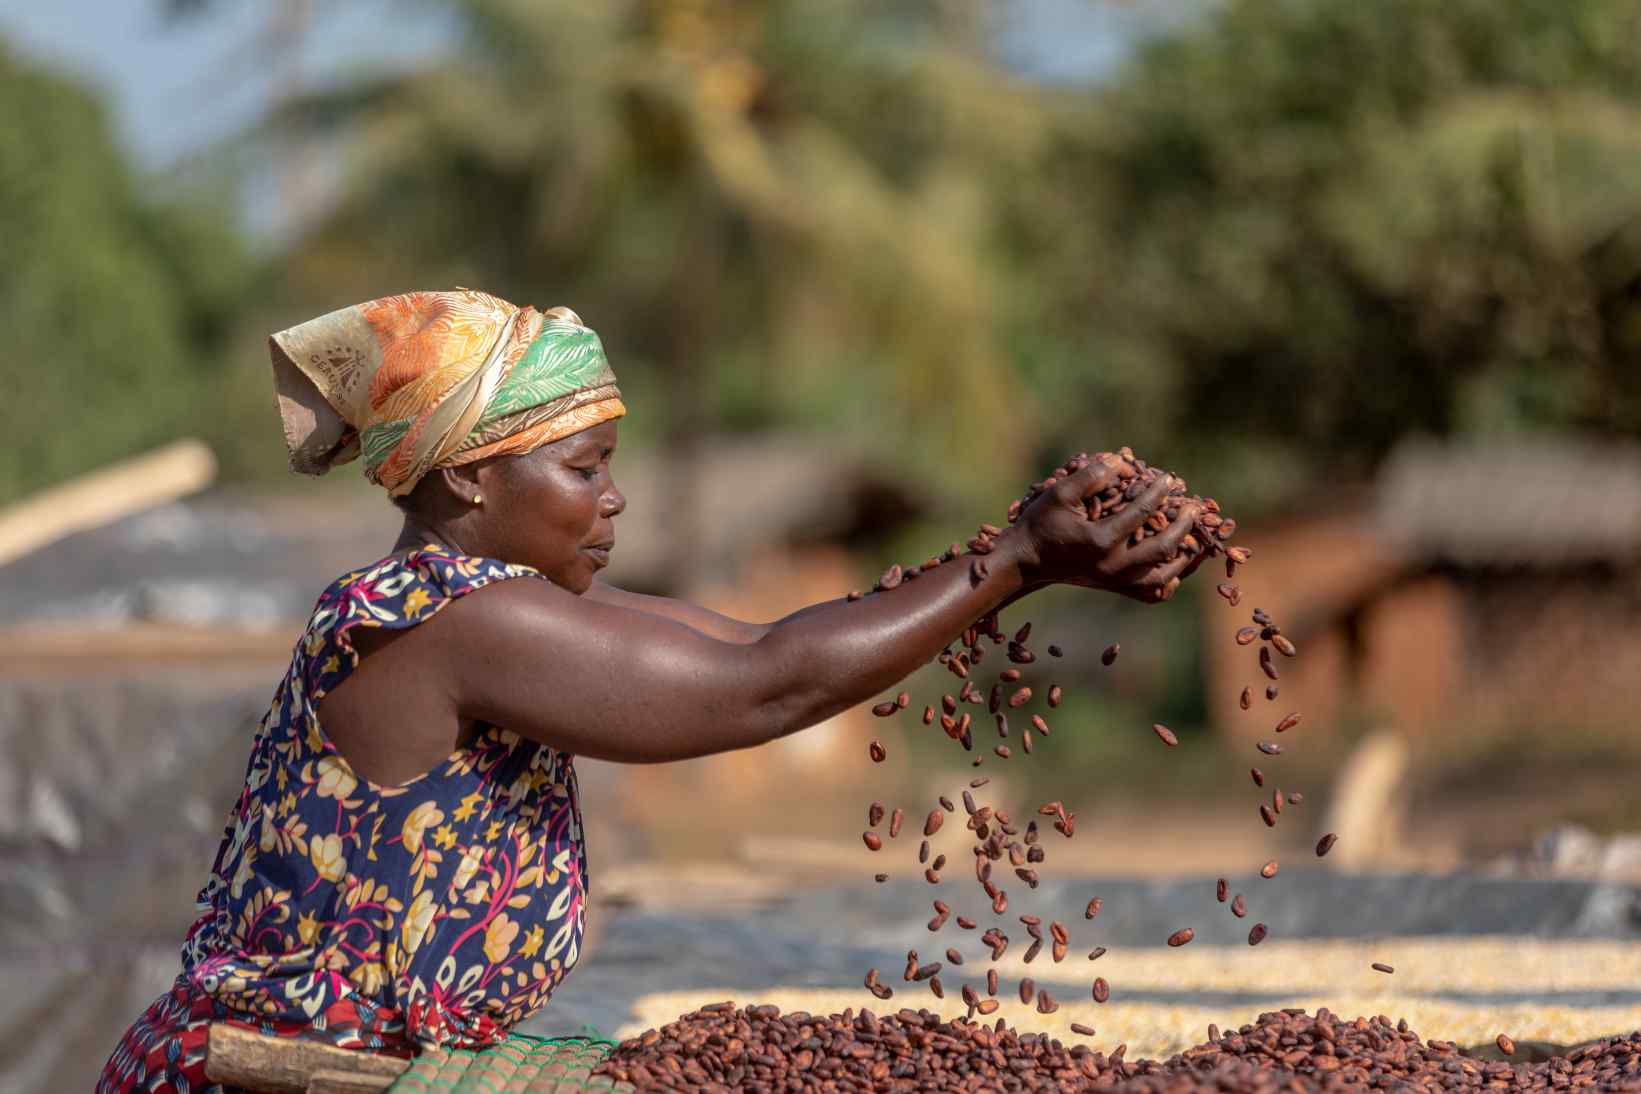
x,y
588,473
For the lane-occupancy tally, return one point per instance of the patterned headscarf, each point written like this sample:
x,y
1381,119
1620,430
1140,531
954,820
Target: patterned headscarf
x,y
435,379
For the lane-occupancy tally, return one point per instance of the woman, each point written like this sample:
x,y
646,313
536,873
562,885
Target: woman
x,y
404,866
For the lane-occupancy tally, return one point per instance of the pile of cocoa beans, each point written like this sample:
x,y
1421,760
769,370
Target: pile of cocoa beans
x,y
757,1048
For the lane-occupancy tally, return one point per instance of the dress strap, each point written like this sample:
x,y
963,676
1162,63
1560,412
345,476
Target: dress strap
x,y
396,593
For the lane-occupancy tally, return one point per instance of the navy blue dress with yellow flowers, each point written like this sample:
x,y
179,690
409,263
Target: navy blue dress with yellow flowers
x,y
441,912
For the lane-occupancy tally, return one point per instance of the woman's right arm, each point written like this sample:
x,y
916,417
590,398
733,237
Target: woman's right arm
x,y
609,683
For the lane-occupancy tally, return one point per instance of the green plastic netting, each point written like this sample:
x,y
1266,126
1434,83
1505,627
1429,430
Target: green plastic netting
x,y
519,1065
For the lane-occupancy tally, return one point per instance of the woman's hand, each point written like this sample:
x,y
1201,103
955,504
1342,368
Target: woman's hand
x,y
1062,546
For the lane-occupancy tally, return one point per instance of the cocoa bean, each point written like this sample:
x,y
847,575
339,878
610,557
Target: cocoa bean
x,y
1220,889
1287,723
872,840
895,820
1239,906
1181,936
1283,646
1110,654
1257,775
1101,990
1256,934
1246,635
1268,870
883,710
1054,695
1165,735
1325,844
1020,698
1379,966
1266,815
875,750
874,814
1247,699
1269,748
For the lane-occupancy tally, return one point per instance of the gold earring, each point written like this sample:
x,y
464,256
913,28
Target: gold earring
x,y
478,500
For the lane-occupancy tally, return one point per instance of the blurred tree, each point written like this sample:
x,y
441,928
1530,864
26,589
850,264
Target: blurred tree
x,y
776,213
1296,231
114,307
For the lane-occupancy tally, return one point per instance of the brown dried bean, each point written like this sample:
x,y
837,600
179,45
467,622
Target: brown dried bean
x,y
895,820
876,752
1093,908
1020,698
1054,695
1287,723
1247,699
874,814
1239,906
883,710
1165,735
1268,870
1257,775
872,840
1110,654
1101,990
1181,936
1257,934
1325,844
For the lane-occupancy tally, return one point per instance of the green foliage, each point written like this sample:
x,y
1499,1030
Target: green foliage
x,y
113,307
1305,229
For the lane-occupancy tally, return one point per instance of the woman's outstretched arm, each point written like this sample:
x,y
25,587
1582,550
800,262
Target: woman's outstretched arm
x,y
612,683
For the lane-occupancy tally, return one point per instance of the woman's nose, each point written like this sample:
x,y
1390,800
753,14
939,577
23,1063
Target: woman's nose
x,y
614,502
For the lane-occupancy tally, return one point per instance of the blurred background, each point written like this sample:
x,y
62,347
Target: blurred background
x,y
1369,274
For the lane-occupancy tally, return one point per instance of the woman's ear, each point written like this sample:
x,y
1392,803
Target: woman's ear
x,y
461,482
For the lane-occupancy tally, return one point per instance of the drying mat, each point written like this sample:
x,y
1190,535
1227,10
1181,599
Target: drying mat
x,y
519,1065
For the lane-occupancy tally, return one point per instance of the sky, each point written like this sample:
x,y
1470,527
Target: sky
x,y
177,86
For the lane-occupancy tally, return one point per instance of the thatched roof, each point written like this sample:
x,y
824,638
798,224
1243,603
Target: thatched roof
x,y
1524,502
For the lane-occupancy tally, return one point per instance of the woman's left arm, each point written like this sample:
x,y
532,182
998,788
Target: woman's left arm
x,y
708,622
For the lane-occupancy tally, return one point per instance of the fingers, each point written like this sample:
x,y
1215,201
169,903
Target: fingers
x,y
1078,485
1124,523
1165,545
1160,581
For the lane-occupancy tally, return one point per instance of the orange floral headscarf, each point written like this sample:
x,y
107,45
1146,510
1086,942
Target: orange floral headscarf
x,y
435,379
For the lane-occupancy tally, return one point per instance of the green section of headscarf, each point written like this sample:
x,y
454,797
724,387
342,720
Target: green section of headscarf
x,y
563,359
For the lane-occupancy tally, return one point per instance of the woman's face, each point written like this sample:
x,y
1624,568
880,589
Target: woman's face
x,y
553,508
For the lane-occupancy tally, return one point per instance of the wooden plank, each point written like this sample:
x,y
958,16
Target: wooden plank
x,y
104,496
38,647
282,1065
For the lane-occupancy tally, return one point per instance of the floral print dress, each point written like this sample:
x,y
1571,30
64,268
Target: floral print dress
x,y
441,912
